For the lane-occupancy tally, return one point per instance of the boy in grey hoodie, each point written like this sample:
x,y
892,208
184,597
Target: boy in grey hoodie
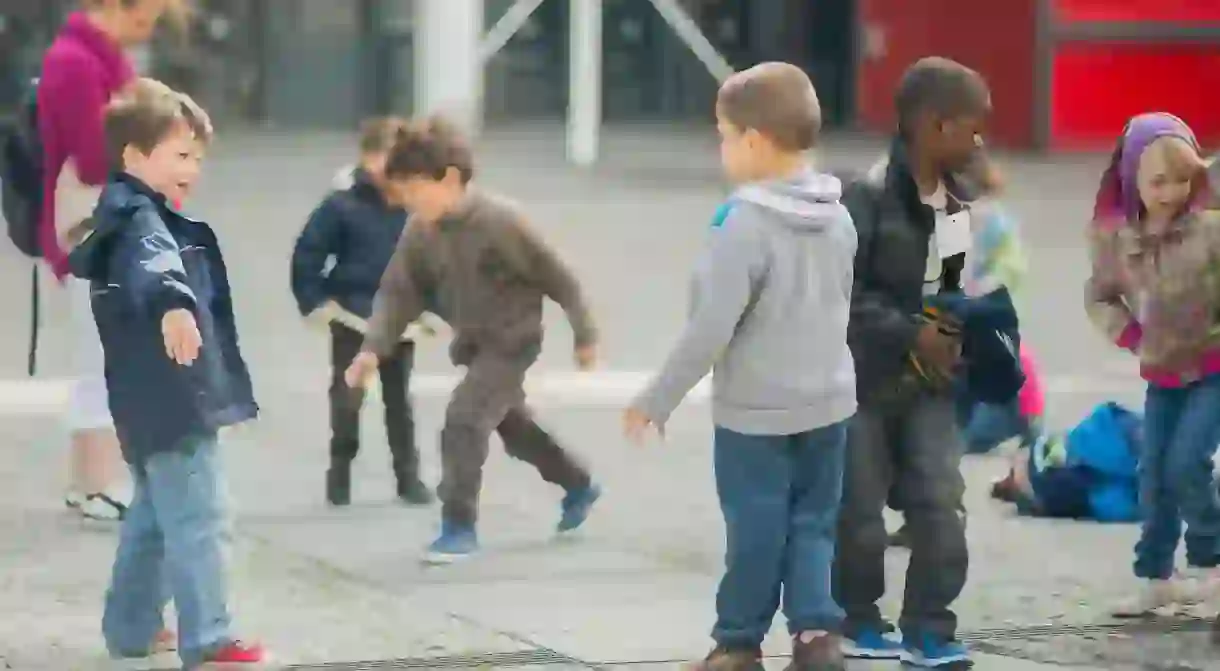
x,y
769,312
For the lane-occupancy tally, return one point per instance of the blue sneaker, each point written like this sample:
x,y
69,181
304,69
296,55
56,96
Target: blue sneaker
x,y
454,544
871,643
935,652
577,505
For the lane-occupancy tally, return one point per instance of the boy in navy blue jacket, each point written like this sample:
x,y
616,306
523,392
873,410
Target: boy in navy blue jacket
x,y
337,265
175,377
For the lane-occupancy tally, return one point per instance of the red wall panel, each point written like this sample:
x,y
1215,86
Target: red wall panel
x,y
1097,87
1176,11
995,38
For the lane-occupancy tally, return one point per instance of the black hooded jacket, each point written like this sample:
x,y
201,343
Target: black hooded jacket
x,y
894,227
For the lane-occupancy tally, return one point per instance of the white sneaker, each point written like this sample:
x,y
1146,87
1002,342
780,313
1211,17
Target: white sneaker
x,y
1199,585
73,499
1152,597
103,507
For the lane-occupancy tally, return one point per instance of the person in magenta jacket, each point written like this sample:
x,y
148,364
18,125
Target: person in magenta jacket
x,y
83,68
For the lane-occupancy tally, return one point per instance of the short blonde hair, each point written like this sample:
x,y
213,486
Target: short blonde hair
x,y
776,100
145,114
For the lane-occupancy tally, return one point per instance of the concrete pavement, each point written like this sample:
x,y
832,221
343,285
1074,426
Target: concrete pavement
x,y
336,586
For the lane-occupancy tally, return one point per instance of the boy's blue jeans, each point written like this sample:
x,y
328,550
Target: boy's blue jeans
x,y
173,544
1181,432
780,499
985,426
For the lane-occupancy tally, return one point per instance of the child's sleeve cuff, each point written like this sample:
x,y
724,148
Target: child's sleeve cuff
x,y
1131,335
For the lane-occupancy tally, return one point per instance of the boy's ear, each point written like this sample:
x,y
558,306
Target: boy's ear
x,y
130,154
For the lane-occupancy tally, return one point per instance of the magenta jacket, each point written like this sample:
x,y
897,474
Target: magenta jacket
x,y
82,69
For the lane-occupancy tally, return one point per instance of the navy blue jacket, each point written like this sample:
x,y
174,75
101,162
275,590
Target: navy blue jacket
x,y
356,230
143,259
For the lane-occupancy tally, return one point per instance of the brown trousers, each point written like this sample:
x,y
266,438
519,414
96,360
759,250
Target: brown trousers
x,y
491,398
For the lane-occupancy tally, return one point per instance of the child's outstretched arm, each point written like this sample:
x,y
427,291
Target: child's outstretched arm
x,y
150,263
1104,301
724,284
400,298
315,244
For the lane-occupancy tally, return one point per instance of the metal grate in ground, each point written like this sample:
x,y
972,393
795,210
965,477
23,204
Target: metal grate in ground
x,y
492,660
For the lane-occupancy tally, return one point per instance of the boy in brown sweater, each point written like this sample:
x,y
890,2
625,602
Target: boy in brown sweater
x,y
468,257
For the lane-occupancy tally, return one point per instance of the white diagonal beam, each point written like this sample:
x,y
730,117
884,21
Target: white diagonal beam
x,y
506,27
688,31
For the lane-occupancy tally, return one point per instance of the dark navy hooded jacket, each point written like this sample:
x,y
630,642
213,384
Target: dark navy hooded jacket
x,y
991,343
357,230
143,259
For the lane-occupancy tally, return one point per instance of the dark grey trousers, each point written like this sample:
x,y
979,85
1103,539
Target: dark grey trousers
x,y
490,398
908,455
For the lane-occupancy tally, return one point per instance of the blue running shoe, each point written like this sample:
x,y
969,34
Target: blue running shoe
x,y
456,542
935,652
872,643
577,505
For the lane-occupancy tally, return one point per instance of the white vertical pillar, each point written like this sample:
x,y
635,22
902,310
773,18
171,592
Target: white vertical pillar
x,y
584,81
448,69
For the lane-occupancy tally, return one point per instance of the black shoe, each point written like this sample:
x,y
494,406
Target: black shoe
x,y
339,485
413,492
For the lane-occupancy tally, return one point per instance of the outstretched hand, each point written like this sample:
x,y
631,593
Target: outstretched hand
x,y
636,425
181,334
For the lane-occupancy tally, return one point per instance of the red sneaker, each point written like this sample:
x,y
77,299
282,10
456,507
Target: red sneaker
x,y
235,655
166,640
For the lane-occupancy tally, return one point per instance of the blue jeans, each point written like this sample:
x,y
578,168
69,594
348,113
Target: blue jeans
x,y
173,544
780,499
1181,432
985,425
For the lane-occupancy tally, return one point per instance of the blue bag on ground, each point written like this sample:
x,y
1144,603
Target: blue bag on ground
x,y
1092,472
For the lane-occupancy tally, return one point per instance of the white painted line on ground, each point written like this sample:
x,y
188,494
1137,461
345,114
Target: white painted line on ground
x,y
41,396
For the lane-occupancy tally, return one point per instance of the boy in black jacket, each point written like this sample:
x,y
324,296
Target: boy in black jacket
x,y
336,268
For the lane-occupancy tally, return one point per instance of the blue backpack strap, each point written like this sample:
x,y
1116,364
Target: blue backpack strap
x,y
722,213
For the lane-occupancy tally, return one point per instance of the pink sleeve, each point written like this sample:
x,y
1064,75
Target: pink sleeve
x,y
72,98
1131,335
73,101
1031,401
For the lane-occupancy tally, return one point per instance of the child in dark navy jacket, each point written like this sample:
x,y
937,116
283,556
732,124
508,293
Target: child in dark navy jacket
x,y
175,376
336,268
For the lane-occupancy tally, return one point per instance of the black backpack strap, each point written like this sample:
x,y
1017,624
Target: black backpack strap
x,y
35,320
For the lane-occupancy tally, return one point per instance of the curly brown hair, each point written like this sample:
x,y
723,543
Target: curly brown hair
x,y
429,148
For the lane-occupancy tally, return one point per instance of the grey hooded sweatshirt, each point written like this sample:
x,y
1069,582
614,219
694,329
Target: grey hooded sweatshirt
x,y
768,314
